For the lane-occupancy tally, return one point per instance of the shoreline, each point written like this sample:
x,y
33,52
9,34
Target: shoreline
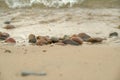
x,y
56,62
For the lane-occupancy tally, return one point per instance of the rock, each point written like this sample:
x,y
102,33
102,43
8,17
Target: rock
x,y
7,51
7,22
4,36
95,40
32,38
54,39
46,38
28,73
77,39
66,37
44,50
41,42
9,26
84,36
71,42
10,40
113,34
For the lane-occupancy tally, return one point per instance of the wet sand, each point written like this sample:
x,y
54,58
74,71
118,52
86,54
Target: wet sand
x,y
60,22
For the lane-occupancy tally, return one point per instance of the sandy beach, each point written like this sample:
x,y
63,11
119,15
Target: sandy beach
x,y
60,22
87,61
60,63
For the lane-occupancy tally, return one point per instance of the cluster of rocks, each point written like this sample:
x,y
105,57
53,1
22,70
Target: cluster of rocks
x,y
6,38
75,39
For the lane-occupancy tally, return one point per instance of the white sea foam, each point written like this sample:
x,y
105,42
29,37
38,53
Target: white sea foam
x,y
48,3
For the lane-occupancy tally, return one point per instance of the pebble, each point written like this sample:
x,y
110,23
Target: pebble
x,y
28,73
77,39
54,39
95,40
7,22
32,38
84,36
113,34
44,50
10,40
9,26
7,51
4,36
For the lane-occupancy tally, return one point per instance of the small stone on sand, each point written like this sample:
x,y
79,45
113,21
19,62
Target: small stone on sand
x,y
7,51
9,26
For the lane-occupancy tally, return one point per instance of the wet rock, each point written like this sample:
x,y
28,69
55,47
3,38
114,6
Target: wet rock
x,y
54,39
84,36
7,22
77,39
9,26
32,38
71,42
4,36
10,40
95,40
113,34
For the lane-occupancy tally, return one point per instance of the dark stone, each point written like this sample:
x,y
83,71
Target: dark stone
x,y
4,36
54,39
32,41
7,22
84,36
71,42
95,40
32,38
27,73
10,40
113,34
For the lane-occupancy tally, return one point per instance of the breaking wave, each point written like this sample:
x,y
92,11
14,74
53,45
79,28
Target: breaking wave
x,y
60,3
47,3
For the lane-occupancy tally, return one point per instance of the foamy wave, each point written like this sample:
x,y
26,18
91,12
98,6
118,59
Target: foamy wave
x,y
48,3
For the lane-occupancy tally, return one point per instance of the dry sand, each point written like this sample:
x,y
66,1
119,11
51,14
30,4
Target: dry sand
x,y
86,62
60,62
